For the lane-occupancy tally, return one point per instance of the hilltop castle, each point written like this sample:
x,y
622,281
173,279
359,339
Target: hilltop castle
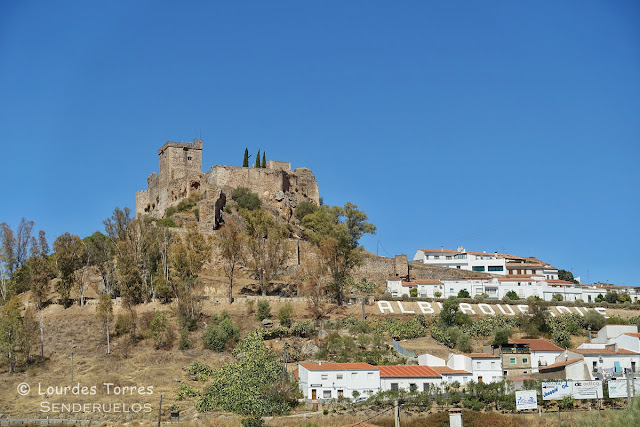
x,y
180,176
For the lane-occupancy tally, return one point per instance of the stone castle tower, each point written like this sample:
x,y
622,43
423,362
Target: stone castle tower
x,y
180,175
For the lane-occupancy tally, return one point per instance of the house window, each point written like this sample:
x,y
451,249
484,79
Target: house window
x,y
512,360
525,360
413,388
495,268
188,158
493,365
477,365
354,375
369,376
425,386
340,393
339,376
450,290
324,376
326,394
394,386
478,268
449,257
436,257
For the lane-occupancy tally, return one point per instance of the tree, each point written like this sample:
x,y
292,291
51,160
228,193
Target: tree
x,y
264,159
187,255
464,294
41,274
257,165
567,276
69,257
220,333
611,297
230,243
104,311
101,254
245,160
464,343
558,297
267,246
449,311
7,258
11,332
160,330
413,292
337,232
594,320
245,198
264,310
252,385
502,336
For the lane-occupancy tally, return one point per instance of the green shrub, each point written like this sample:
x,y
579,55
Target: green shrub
x,y
413,292
284,315
254,421
264,310
124,324
464,294
512,295
200,369
161,331
167,222
303,209
245,198
187,391
220,331
170,211
184,343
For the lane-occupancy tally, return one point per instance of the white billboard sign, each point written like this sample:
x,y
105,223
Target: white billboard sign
x,y
556,390
587,390
618,388
526,399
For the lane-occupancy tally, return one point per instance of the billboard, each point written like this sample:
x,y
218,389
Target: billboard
x,y
556,390
526,399
618,388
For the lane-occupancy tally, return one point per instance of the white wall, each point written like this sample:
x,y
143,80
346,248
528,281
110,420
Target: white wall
x,y
362,381
489,369
546,357
430,360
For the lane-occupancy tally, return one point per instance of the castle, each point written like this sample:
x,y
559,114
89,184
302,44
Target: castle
x,y
180,176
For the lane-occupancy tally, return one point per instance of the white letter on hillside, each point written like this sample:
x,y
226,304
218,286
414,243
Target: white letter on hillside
x,y
562,307
384,305
425,307
482,308
439,305
513,313
579,312
466,307
524,309
603,311
402,310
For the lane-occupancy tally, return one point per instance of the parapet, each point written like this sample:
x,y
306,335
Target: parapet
x,y
280,166
196,145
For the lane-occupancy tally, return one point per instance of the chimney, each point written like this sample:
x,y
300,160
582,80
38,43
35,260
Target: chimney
x,y
320,363
441,248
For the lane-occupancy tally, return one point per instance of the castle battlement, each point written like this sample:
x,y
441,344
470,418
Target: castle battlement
x,y
196,144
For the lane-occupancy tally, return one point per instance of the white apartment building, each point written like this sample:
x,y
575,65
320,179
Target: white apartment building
x,y
326,381
479,367
463,260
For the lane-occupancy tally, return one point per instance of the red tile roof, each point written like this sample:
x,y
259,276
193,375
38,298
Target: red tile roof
x,y
631,334
483,355
404,371
409,284
559,364
559,281
537,344
598,351
515,279
522,265
326,366
445,370
450,251
520,379
429,282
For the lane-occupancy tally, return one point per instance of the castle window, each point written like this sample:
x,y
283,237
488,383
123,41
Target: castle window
x,y
188,158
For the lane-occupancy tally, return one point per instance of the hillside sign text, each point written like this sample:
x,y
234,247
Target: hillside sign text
x,y
481,309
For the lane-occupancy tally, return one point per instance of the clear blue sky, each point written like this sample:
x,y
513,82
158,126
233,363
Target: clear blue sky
x,y
500,125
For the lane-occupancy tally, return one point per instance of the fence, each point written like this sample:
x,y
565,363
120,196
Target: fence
x,y
403,351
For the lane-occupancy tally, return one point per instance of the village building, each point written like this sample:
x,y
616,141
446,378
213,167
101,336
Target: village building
x,y
543,352
408,378
326,381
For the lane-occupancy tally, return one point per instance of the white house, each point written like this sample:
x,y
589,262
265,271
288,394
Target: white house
x,y
462,259
628,341
606,362
485,367
409,378
572,369
543,352
450,375
430,360
326,381
609,332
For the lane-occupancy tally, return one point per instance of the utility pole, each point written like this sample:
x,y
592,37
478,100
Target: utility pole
x,y
626,370
363,315
396,413
160,411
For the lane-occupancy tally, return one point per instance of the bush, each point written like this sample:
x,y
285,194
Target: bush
x,y
245,198
512,295
284,315
594,320
161,331
464,343
437,294
187,391
124,324
255,421
502,336
413,292
167,222
464,294
264,310
558,297
184,343
219,332
202,371
303,209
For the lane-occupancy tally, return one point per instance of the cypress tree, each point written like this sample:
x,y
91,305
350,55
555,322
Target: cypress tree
x,y
264,161
258,159
245,162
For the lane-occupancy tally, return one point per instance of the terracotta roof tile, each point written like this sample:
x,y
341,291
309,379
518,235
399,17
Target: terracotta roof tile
x,y
631,334
403,371
445,370
537,344
597,351
559,364
429,282
482,355
409,284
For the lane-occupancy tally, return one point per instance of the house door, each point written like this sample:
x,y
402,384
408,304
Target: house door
x,y
633,366
340,394
479,379
314,395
